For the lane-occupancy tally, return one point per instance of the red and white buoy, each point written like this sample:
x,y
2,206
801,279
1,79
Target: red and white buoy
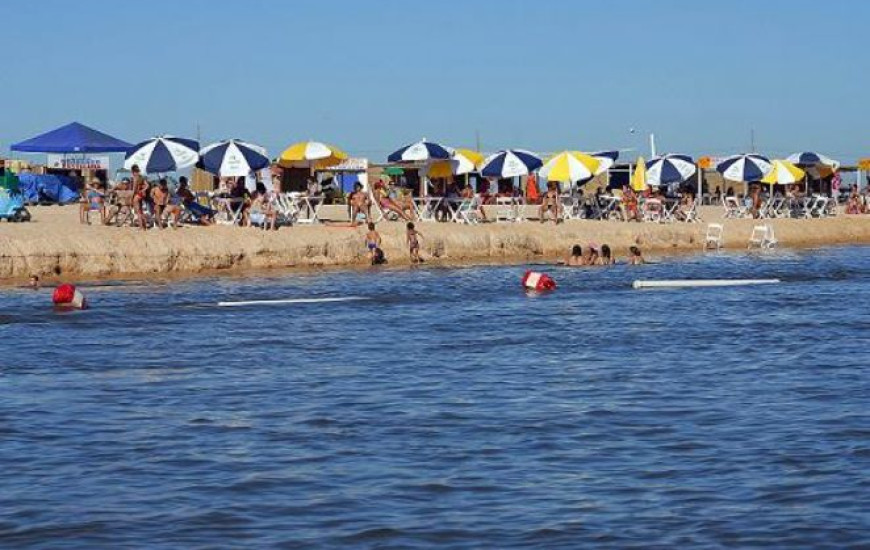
x,y
66,296
533,280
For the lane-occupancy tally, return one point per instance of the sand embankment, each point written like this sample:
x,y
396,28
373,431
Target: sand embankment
x,y
56,244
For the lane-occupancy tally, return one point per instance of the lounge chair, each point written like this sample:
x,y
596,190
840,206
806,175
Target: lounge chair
x,y
714,237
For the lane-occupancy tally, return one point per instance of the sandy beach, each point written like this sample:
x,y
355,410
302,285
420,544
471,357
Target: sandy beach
x,y
56,246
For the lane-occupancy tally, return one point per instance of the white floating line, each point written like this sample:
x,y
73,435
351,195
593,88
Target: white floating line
x,y
692,283
290,301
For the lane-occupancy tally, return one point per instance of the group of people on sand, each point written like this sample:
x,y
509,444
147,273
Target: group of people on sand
x,y
595,255
151,203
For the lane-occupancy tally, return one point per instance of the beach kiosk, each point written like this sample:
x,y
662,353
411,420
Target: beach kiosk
x,y
75,149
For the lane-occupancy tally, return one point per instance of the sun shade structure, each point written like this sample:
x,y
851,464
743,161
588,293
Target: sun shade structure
x,y
669,169
233,157
744,167
809,158
638,178
311,153
163,154
464,161
783,173
606,159
419,152
72,138
510,163
570,167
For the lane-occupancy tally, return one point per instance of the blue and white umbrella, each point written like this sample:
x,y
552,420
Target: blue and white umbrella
x,y
669,169
606,159
510,163
420,151
233,157
163,154
808,159
745,167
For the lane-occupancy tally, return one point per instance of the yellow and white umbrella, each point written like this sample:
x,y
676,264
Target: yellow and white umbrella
x,y
783,173
464,161
308,153
570,167
638,179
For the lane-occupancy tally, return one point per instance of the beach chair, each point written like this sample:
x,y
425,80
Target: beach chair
x,y
652,210
762,237
121,210
506,210
692,214
715,236
229,210
288,209
819,208
468,211
733,208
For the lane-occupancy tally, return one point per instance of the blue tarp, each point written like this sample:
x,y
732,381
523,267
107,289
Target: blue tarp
x,y
347,180
73,138
47,187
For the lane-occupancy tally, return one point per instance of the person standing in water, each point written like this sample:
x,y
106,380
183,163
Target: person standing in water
x,y
373,242
413,237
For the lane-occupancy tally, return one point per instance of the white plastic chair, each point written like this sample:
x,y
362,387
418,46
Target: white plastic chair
x,y
467,211
762,237
715,236
652,210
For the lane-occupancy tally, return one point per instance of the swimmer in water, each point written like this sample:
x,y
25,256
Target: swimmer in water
x,y
635,257
34,282
576,257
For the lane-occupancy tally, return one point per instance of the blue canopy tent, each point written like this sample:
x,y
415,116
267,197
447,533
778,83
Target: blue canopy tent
x,y
72,138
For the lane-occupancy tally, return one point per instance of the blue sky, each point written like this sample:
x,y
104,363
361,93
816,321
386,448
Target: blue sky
x,y
371,76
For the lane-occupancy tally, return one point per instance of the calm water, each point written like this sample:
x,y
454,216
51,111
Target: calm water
x,y
449,410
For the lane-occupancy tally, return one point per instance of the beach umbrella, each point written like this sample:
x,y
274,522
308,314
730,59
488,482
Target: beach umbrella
x,y
606,159
747,168
309,153
420,151
233,157
808,158
570,167
163,154
464,161
669,169
638,178
510,163
783,173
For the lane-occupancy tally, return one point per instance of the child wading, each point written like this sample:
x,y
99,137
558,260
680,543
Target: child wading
x,y
373,243
414,237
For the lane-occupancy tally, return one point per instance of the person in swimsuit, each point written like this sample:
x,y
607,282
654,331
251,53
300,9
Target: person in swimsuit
x,y
92,199
635,256
606,257
160,200
373,242
262,212
140,195
413,237
550,203
630,210
576,257
204,214
34,282
359,204
385,202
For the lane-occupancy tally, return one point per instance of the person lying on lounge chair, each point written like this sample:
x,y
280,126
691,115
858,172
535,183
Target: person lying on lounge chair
x,y
203,214
385,202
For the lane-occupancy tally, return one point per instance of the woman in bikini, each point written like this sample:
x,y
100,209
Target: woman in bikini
x,y
550,203
385,202
359,204
140,195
